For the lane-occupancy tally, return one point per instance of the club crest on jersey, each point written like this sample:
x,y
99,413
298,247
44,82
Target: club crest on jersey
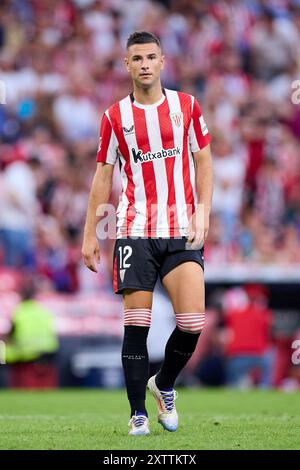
x,y
176,118
129,130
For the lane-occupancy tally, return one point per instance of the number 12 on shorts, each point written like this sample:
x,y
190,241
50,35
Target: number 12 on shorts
x,y
125,253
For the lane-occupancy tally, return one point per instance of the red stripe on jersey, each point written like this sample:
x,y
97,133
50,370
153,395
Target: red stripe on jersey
x,y
186,105
143,144
115,276
167,138
104,140
115,115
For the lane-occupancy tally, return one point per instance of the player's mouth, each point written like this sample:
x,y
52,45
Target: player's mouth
x,y
145,74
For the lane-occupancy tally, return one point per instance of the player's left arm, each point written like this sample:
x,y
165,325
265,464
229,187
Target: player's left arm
x,y
199,139
204,188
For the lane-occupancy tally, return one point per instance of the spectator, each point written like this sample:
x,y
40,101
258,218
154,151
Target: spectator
x,y
19,210
229,172
32,343
272,48
248,349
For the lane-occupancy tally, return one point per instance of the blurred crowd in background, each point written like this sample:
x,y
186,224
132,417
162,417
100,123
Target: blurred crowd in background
x,y
61,62
62,65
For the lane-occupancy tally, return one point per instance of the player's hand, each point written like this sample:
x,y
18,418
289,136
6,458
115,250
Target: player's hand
x,y
91,253
198,228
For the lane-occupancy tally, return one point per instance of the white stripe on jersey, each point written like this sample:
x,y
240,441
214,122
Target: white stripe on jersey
x,y
140,199
113,143
178,132
161,179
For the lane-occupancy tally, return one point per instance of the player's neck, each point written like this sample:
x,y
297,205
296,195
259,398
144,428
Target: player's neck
x,y
148,96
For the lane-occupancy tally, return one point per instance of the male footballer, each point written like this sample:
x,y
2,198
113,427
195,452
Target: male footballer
x,y
161,142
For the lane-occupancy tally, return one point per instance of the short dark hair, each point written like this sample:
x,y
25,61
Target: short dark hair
x,y
142,37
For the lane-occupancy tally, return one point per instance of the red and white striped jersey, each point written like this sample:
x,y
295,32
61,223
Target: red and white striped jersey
x,y
154,144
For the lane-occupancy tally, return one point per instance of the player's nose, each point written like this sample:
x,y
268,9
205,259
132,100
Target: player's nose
x,y
145,62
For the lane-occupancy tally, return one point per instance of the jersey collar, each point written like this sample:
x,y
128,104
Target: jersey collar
x,y
146,106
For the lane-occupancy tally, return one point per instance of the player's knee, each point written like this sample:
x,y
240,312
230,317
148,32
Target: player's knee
x,y
190,322
137,317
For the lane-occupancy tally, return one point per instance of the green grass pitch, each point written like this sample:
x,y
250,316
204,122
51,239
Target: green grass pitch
x,y
97,419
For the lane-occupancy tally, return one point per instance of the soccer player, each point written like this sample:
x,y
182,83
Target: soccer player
x,y
161,142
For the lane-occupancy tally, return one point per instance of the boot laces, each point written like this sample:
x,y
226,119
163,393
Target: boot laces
x,y
138,420
169,399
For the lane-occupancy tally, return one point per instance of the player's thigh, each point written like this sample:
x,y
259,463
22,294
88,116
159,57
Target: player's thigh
x,y
137,298
185,286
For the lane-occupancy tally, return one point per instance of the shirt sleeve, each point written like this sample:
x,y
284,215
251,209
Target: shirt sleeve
x,y
108,144
199,137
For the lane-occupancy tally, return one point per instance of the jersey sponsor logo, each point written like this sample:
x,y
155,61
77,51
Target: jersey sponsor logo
x,y
129,130
140,157
203,125
176,118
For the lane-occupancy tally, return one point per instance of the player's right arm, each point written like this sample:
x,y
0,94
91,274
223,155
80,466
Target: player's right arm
x,y
100,191
99,194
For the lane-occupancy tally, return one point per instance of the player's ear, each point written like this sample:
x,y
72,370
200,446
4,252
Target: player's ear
x,y
162,61
126,63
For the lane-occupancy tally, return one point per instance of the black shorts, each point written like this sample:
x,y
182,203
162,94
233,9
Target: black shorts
x,y
139,261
